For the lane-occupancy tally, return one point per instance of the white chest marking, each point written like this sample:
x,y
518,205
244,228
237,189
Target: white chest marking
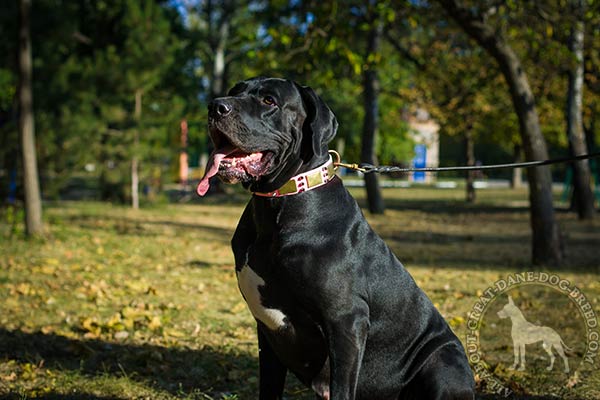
x,y
249,282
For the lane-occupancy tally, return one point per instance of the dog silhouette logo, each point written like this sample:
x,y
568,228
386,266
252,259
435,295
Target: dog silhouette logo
x,y
524,332
548,316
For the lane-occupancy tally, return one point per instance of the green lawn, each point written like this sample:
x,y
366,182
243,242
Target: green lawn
x,y
119,304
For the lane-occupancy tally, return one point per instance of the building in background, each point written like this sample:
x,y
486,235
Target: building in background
x,y
424,131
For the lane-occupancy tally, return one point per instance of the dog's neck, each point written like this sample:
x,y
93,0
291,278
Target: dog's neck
x,y
517,318
304,182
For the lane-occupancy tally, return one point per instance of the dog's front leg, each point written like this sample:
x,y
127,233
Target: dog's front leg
x,y
271,371
346,336
516,353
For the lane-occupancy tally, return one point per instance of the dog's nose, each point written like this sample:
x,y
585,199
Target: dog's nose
x,y
219,108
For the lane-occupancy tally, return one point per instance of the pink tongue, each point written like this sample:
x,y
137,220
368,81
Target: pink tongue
x,y
212,167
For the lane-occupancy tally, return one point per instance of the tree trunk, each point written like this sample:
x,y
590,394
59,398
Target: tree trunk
x,y
135,180
517,173
218,81
33,200
470,158
583,198
547,246
219,23
371,120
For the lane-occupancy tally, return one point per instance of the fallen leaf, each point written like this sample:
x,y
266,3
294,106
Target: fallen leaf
x,y
121,335
154,323
573,380
456,321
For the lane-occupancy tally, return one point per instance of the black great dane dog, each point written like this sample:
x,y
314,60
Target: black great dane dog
x,y
333,305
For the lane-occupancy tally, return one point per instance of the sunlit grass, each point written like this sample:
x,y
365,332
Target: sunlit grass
x,y
117,303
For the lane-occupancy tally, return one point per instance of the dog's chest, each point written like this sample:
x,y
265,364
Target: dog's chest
x,y
251,284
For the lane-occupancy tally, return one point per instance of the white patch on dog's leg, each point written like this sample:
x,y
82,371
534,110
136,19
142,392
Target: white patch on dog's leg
x,y
249,283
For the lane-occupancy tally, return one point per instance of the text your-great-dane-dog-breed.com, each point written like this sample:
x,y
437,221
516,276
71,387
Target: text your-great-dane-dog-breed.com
x,y
332,303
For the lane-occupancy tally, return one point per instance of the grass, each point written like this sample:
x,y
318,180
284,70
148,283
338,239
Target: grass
x,y
123,304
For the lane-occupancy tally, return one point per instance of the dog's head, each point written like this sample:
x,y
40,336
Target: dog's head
x,y
508,310
266,131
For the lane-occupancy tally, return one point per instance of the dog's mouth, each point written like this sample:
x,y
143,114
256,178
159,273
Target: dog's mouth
x,y
233,164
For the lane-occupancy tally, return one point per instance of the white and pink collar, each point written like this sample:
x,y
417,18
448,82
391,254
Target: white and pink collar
x,y
304,182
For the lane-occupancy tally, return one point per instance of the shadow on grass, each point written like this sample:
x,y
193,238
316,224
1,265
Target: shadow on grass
x,y
57,396
231,195
174,369
204,264
508,248
445,206
141,227
521,397
60,396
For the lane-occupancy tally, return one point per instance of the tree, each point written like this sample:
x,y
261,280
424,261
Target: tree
x,y
224,33
90,58
148,40
455,82
33,200
582,193
592,79
212,23
120,68
371,107
313,37
554,40
547,246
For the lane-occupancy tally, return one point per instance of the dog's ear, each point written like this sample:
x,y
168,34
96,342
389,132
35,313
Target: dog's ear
x,y
319,126
510,301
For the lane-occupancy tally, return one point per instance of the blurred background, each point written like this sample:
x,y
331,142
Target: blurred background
x,y
116,82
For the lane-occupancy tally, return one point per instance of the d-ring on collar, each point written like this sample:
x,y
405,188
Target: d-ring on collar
x,y
304,182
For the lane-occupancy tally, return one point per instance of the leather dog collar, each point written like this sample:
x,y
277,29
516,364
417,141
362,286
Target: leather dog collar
x,y
304,182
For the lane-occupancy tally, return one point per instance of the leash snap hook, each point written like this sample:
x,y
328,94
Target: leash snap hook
x,y
364,168
338,159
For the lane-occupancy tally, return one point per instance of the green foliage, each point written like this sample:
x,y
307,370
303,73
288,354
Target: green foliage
x,y
323,44
8,88
91,57
85,77
395,145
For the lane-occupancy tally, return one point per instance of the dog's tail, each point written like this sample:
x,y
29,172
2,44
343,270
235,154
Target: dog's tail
x,y
567,348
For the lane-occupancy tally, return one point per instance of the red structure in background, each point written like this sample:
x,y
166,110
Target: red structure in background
x,y
183,155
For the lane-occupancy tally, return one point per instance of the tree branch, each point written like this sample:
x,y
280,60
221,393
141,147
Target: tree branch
x,y
404,52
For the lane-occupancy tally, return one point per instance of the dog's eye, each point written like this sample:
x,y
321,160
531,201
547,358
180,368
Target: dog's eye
x,y
268,100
